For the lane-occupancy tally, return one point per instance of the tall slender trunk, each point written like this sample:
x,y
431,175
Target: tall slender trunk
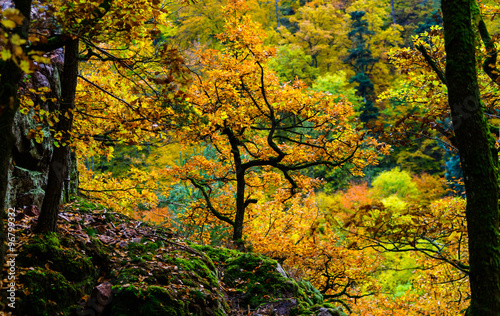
x,y
277,15
393,11
477,156
10,75
59,163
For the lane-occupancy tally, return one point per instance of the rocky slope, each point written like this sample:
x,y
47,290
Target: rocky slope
x,y
104,263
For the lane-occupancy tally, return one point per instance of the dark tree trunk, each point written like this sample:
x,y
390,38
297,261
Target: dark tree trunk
x,y
59,164
10,75
240,207
477,156
240,188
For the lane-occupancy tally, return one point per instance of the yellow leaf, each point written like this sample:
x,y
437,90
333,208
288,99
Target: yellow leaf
x,y
29,102
25,66
40,59
8,24
17,40
14,15
6,54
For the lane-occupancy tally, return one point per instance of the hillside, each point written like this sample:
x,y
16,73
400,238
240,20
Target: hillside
x,y
104,263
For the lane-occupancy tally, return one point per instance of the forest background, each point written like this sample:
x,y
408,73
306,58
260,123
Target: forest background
x,y
314,132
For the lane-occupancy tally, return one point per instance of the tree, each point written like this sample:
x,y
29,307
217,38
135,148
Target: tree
x,y
360,58
265,133
58,171
414,16
478,156
468,106
126,27
408,218
292,63
317,32
12,64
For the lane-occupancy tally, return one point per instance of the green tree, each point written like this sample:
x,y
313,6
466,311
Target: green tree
x,y
361,59
337,84
415,16
292,63
319,30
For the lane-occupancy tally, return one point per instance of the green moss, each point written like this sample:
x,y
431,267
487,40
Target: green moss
x,y
216,254
64,271
46,293
310,294
195,268
257,276
95,251
129,275
153,301
46,251
143,251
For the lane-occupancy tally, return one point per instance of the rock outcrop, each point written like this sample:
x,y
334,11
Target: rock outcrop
x,y
31,158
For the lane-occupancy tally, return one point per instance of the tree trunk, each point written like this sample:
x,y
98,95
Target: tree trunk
x,y
240,207
59,163
10,75
277,15
393,12
477,156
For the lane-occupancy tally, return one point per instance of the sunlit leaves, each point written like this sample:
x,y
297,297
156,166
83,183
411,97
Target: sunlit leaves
x,y
269,131
415,221
11,43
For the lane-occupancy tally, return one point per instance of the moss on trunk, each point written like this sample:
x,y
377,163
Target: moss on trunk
x,y
477,156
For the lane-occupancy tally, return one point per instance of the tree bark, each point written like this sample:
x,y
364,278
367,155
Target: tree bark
x,y
10,75
240,207
393,11
277,15
477,156
47,222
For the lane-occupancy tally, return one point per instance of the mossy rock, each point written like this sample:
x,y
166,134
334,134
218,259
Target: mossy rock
x,y
132,300
255,277
218,255
310,294
199,270
46,293
259,284
128,275
144,246
46,251
258,279
64,270
95,250
143,251
157,300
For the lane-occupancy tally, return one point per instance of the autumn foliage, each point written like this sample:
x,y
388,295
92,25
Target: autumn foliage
x,y
240,121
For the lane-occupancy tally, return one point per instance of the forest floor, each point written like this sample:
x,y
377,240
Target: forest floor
x,y
105,263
